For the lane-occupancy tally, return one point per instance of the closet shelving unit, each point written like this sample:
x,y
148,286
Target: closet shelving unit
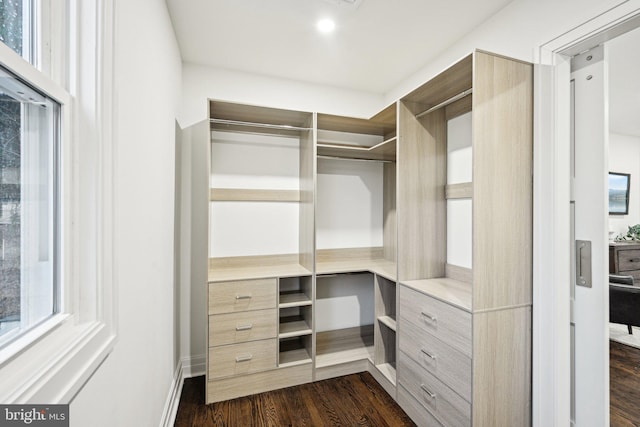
x,y
274,286
441,317
355,140
465,333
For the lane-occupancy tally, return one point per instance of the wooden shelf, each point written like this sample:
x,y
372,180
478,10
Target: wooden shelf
x,y
354,260
294,329
388,321
389,371
463,190
252,195
448,290
345,345
296,299
295,357
255,267
386,150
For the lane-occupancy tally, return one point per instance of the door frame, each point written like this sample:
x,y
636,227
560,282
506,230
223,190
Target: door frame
x,y
551,362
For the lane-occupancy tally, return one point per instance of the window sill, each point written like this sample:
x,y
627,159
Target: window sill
x,y
54,367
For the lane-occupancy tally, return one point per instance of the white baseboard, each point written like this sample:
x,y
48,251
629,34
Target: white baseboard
x,y
173,399
193,366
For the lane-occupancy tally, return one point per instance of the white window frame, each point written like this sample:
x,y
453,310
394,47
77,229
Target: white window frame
x,y
50,363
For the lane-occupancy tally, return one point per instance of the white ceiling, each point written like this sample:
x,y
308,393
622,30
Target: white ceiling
x,y
624,83
374,47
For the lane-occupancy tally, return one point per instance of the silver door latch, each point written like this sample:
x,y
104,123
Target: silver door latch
x,y
583,263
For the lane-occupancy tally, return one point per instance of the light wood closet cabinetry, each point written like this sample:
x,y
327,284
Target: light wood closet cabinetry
x,y
398,245
261,197
465,333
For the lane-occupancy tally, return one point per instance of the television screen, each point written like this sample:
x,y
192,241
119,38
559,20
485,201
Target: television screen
x,y
618,193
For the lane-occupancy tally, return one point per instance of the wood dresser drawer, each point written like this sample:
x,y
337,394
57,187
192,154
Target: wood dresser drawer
x,y
232,328
445,404
629,260
242,295
240,359
449,324
449,365
415,410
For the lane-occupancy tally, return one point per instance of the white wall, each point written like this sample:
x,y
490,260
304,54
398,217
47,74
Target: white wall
x,y
200,83
624,156
516,31
131,387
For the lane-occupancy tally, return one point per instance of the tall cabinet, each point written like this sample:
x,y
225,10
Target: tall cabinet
x,y
398,245
465,330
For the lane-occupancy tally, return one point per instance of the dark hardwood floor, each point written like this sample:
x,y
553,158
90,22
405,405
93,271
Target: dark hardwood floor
x,y
353,400
624,380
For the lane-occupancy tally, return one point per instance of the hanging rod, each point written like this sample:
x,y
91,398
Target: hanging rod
x,y
447,102
354,159
257,125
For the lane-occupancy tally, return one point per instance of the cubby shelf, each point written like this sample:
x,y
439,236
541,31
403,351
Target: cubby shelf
x,y
294,329
295,357
295,299
253,195
389,371
388,321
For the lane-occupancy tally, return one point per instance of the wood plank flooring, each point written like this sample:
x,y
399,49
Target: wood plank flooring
x,y
353,400
624,374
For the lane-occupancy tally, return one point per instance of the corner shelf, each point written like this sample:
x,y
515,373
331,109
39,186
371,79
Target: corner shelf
x,y
384,151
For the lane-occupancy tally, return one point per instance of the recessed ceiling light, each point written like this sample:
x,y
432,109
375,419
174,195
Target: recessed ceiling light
x,y
326,25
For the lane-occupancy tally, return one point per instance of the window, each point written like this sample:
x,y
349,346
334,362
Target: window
x,y
28,207
15,26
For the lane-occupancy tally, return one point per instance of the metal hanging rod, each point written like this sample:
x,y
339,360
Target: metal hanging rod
x,y
354,159
257,125
445,103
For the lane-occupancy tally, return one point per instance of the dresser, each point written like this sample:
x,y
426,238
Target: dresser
x,y
624,259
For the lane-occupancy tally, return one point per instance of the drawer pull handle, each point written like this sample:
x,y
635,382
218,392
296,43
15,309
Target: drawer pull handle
x,y
244,358
243,296
244,327
426,353
430,317
431,394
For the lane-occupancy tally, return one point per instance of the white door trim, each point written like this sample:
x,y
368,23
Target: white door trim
x,y
551,273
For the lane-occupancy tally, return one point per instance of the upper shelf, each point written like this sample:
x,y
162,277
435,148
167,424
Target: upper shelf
x,y
385,150
228,116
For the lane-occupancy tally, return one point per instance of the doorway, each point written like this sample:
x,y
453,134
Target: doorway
x,y
584,397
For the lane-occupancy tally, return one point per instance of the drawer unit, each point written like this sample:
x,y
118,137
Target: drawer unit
x,y
449,365
415,410
245,358
446,322
435,396
232,328
242,295
629,260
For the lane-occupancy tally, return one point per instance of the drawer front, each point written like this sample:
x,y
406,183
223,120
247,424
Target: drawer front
x,y
415,410
232,328
629,260
242,295
444,403
449,324
240,359
449,365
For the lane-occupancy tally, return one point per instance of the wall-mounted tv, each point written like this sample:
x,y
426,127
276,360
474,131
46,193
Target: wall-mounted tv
x,y
619,193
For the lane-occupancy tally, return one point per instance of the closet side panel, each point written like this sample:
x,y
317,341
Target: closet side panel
x,y
421,204
502,182
307,196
